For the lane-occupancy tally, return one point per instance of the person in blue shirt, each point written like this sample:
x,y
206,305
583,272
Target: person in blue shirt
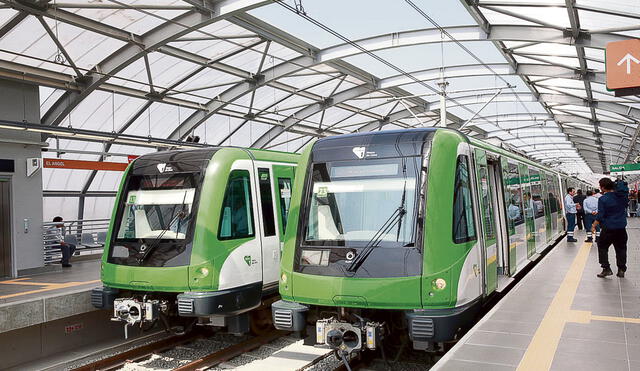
x,y
612,218
590,206
570,212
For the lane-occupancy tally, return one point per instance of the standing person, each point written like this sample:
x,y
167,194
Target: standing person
x,y
590,206
612,217
596,193
55,233
633,203
578,199
570,213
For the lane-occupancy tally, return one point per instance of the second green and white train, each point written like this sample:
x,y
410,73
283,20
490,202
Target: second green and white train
x,y
409,232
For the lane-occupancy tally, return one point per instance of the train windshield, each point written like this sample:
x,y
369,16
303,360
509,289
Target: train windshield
x,y
156,218
355,203
162,214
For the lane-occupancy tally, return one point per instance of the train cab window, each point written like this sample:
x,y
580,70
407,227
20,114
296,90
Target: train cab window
x,y
266,201
284,191
463,225
236,220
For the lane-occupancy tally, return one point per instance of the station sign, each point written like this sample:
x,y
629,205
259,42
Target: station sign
x,y
57,163
623,66
626,169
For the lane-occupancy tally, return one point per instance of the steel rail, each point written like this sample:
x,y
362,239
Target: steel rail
x,y
231,352
139,353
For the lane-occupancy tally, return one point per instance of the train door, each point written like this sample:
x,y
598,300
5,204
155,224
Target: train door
x,y
546,196
511,215
270,234
283,181
487,215
528,209
496,184
5,228
515,213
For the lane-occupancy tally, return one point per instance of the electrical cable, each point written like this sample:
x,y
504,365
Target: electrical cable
x,y
372,54
463,47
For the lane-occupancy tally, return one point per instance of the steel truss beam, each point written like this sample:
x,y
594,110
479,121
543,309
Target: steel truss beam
x,y
78,194
272,75
156,39
11,23
135,48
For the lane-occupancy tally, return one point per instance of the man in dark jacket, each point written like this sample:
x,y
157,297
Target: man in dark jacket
x,y
612,218
579,199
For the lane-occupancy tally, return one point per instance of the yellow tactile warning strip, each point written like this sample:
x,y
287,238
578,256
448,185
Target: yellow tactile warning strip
x,y
539,354
541,350
48,286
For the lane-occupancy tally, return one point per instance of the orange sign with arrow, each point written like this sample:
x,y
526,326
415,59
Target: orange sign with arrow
x,y
623,64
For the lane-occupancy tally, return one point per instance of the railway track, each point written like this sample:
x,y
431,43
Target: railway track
x,y
200,350
187,344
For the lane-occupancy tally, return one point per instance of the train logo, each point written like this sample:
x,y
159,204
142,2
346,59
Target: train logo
x,y
249,260
163,168
359,151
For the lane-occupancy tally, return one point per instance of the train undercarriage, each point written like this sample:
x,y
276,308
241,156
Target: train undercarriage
x,y
235,310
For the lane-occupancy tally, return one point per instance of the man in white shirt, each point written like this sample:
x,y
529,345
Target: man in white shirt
x,y
570,213
590,205
55,234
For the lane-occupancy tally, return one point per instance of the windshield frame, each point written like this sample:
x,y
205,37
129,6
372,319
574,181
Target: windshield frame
x,y
332,260
193,163
176,207
411,210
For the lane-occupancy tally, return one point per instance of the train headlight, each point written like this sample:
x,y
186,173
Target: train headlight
x,y
439,284
283,278
203,272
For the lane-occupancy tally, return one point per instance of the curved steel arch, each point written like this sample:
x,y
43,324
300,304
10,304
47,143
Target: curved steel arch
x,y
138,46
407,38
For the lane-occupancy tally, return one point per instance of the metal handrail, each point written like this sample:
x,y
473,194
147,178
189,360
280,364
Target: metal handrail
x,y
51,252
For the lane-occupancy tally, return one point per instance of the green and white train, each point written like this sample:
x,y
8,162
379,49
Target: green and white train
x,y
196,233
409,232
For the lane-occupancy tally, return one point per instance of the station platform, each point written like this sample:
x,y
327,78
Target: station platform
x,y
29,301
48,316
561,316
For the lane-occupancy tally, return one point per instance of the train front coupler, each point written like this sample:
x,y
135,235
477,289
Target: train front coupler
x,y
346,337
132,311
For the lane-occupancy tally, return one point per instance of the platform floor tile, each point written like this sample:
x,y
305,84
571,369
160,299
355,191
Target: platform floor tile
x,y
561,317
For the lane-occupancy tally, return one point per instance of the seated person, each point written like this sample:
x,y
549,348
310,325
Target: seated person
x,y
56,235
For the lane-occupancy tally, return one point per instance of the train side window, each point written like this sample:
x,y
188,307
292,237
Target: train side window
x,y
266,201
236,220
514,202
463,225
284,190
534,204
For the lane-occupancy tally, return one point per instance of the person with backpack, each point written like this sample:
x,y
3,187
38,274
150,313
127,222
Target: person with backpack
x,y
590,206
612,218
578,199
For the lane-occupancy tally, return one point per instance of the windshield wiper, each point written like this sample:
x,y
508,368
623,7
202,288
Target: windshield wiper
x,y
174,217
394,219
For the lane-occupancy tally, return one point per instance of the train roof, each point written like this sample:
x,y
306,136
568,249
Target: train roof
x,y
206,153
405,136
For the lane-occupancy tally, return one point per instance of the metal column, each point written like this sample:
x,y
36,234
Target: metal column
x,y
5,228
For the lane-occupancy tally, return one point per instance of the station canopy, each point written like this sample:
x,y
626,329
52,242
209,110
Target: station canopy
x,y
124,77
